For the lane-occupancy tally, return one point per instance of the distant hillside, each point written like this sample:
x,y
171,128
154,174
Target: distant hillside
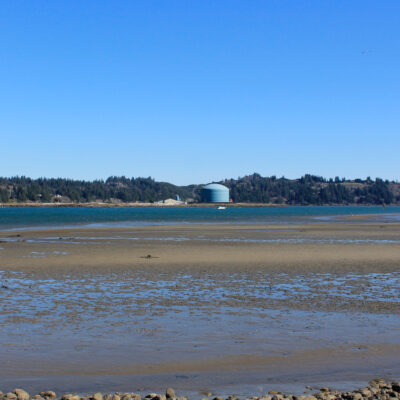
x,y
254,188
311,189
114,189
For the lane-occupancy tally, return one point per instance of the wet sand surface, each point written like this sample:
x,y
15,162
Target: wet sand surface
x,y
220,308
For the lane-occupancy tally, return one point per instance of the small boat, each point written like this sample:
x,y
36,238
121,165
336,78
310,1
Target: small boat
x,y
221,208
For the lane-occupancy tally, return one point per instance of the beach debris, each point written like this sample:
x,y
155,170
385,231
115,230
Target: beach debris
x,y
149,257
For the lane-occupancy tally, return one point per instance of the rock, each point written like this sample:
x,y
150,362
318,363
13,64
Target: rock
x,y
37,397
21,394
376,382
170,393
366,392
352,396
116,397
11,396
159,397
97,396
396,387
70,397
49,394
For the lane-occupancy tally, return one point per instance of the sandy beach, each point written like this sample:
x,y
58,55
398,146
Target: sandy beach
x,y
227,308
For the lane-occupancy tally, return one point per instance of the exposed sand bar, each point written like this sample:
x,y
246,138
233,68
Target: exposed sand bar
x,y
200,306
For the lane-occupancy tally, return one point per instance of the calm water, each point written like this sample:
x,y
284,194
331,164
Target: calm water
x,y
44,217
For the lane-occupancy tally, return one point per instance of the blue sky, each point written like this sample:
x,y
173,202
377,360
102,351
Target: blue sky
x,y
197,91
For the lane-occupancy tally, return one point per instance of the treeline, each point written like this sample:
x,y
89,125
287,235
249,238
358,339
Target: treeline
x,y
118,189
311,189
308,190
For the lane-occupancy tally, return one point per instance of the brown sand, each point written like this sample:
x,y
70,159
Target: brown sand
x,y
206,253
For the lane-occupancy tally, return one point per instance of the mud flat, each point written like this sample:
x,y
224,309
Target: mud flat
x,y
217,308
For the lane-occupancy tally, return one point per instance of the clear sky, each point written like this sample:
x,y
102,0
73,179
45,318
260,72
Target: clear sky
x,y
196,91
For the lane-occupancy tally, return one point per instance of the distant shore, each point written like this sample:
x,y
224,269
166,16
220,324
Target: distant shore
x,y
121,205
141,205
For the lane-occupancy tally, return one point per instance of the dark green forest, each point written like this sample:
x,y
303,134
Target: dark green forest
x,y
306,190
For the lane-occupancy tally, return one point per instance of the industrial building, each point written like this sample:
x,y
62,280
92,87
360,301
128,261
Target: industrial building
x,y
214,193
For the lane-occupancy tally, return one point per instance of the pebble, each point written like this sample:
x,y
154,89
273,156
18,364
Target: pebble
x,y
378,389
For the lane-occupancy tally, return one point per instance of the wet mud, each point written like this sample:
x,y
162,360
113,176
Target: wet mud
x,y
230,309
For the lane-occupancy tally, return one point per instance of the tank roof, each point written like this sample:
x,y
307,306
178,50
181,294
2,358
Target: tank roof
x,y
215,186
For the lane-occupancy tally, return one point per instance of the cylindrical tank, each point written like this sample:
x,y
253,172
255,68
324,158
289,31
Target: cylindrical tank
x,y
215,193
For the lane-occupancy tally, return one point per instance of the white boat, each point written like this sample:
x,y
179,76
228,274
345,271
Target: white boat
x,y
221,208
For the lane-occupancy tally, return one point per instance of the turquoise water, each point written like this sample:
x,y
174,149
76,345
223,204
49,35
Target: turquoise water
x,y
11,218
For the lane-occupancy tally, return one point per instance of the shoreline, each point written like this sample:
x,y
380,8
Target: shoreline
x,y
189,205
137,205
